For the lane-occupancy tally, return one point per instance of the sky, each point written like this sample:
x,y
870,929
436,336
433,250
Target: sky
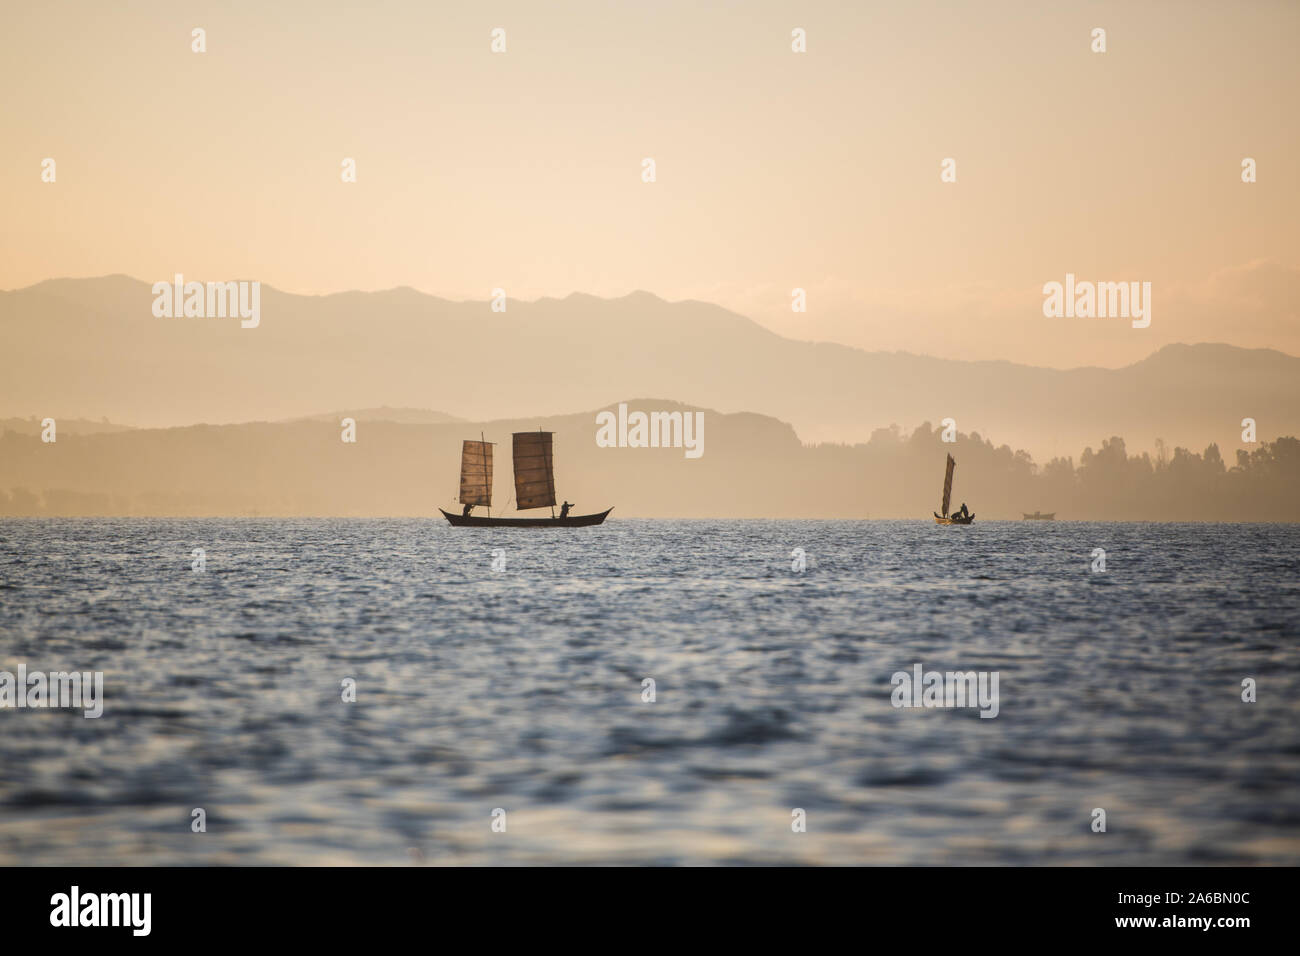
x,y
775,170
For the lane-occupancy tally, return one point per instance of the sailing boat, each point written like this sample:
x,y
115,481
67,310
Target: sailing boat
x,y
534,485
947,499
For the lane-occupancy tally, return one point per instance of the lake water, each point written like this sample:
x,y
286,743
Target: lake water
x,y
521,689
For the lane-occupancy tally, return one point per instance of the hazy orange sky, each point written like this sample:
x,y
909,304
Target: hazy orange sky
x,y
775,170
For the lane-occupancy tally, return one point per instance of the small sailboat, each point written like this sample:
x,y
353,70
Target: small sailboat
x,y
959,517
534,485
1039,516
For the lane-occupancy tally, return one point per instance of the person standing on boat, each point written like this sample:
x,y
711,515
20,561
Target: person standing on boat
x,y
465,512
964,512
564,509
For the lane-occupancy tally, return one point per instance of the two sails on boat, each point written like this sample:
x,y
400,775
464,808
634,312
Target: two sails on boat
x,y
957,517
534,467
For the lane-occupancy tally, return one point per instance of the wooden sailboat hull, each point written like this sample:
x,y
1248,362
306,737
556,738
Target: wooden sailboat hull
x,y
941,520
480,521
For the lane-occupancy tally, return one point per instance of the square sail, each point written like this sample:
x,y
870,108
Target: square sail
x,y
534,474
476,473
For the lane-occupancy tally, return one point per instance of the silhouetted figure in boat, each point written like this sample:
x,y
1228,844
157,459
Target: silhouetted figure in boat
x,y
564,509
964,512
465,512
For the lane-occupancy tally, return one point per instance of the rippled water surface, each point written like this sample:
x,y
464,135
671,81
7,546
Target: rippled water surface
x,y
521,689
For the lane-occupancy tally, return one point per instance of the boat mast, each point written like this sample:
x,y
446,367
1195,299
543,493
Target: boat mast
x,y
550,472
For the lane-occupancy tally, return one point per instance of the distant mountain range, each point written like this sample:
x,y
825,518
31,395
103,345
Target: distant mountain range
x,y
32,425
91,348
399,416
64,426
